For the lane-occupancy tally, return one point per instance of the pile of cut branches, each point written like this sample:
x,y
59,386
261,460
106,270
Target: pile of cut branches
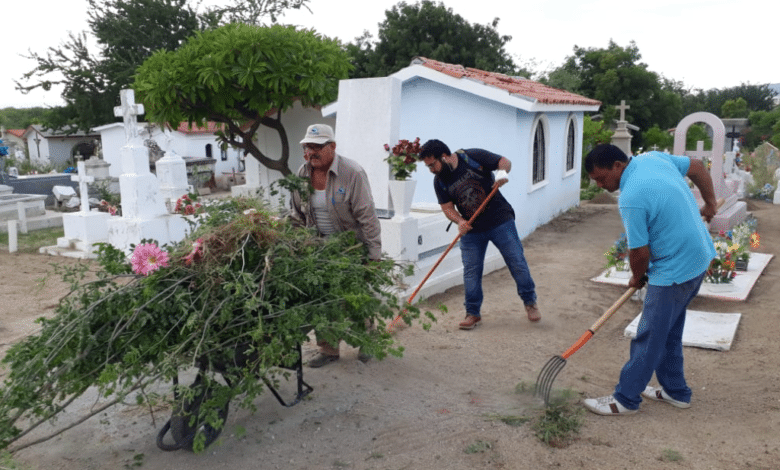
x,y
238,295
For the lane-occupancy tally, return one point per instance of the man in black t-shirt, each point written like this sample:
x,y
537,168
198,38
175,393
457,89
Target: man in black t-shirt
x,y
463,180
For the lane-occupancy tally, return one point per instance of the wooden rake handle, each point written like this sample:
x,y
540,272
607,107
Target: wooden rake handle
x,y
611,311
602,319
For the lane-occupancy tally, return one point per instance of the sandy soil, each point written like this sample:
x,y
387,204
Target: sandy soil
x,y
424,410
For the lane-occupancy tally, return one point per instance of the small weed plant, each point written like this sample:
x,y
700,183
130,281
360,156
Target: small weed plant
x,y
478,447
560,422
670,455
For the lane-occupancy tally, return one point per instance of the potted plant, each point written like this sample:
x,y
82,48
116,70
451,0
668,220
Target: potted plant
x,y
403,162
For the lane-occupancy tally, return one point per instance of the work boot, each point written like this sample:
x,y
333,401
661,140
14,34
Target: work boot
x,y
533,313
470,322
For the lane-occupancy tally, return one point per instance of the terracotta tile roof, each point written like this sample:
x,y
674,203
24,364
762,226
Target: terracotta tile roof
x,y
515,85
17,132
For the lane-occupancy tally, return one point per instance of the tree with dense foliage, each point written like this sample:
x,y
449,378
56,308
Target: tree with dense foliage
x,y
127,32
764,127
21,118
242,76
434,31
734,108
757,97
255,11
616,73
655,136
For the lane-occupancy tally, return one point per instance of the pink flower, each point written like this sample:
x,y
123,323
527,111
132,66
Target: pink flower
x,y
112,210
181,202
148,258
189,209
196,253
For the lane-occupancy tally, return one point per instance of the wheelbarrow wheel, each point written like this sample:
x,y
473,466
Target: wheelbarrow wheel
x,y
184,433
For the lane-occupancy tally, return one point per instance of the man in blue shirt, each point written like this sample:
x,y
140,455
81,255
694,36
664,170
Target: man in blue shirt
x,y
462,182
668,243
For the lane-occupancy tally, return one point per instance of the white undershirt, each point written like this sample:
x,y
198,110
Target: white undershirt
x,y
319,202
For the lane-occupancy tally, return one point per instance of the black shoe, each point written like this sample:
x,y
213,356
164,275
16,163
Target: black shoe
x,y
321,360
364,357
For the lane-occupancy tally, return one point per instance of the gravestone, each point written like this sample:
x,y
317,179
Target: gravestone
x,y
622,138
144,215
733,211
171,171
85,228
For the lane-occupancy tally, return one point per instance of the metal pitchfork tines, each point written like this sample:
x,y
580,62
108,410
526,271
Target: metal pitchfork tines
x,y
550,370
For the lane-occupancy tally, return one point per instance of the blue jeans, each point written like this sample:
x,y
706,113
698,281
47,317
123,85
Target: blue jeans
x,y
658,344
472,251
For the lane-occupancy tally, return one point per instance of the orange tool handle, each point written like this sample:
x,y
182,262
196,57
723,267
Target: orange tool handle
x,y
471,220
595,327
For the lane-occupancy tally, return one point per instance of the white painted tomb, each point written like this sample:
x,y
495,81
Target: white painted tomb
x,y
707,330
144,215
738,289
85,228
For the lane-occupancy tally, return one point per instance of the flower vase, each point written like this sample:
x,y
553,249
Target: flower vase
x,y
401,194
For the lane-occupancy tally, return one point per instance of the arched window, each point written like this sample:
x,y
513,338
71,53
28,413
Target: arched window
x,y
539,153
208,151
571,141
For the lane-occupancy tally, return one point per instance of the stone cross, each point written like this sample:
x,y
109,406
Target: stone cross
x,y
83,179
129,111
623,107
655,148
699,153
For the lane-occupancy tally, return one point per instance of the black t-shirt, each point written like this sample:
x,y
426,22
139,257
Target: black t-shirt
x,y
469,184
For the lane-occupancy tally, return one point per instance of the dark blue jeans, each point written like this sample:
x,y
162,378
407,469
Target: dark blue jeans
x,y
658,344
472,252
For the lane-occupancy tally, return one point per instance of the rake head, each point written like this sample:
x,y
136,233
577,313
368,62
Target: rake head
x,y
547,377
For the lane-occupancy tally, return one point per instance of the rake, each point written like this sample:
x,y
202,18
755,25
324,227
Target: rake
x,y
555,364
550,370
471,221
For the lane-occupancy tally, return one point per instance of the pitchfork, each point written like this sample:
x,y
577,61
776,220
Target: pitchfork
x,y
555,364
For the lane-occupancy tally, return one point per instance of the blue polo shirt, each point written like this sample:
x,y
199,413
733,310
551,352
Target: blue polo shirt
x,y
658,210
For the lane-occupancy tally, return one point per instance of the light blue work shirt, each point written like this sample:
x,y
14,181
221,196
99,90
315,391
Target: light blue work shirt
x,y
658,210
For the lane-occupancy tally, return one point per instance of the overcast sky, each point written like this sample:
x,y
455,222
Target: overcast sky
x,y
703,43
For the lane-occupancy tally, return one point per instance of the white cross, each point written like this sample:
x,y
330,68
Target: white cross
x,y
655,148
129,111
83,179
623,107
699,153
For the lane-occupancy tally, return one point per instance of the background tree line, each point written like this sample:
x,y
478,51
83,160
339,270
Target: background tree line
x,y
128,32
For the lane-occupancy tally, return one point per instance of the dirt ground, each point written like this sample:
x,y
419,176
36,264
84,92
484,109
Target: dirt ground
x,y
435,405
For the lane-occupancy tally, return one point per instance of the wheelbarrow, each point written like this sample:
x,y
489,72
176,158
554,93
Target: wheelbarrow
x,y
181,426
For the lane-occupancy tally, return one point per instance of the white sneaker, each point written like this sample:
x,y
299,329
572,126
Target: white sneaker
x,y
607,406
658,394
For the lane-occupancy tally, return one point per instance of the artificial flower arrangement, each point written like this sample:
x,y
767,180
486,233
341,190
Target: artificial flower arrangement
x,y
733,254
244,284
106,206
403,158
186,205
617,255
